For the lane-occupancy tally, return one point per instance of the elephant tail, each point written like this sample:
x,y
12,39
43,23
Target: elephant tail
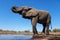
x,y
50,22
51,26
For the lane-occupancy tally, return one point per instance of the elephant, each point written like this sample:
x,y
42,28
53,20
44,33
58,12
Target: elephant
x,y
36,16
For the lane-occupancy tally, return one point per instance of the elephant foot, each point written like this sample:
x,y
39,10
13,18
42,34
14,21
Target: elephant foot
x,y
35,35
35,32
47,33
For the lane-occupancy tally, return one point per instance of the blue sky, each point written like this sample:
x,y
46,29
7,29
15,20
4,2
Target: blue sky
x,y
11,21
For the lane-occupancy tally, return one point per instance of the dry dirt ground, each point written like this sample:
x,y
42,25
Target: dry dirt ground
x,y
52,36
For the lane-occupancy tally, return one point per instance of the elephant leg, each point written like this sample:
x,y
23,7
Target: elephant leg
x,y
43,28
34,22
47,24
47,30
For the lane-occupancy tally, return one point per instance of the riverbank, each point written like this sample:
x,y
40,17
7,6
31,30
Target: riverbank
x,y
41,36
25,32
15,32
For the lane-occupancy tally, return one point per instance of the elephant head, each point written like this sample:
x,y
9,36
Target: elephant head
x,y
26,12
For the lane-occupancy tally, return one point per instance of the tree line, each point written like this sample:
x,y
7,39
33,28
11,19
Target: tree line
x,y
54,30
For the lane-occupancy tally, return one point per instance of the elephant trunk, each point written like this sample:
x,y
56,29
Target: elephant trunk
x,y
14,9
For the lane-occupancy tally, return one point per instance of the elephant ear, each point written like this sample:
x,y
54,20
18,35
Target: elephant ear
x,y
29,8
32,13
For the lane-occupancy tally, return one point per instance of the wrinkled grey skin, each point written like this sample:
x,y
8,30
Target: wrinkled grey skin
x,y
36,16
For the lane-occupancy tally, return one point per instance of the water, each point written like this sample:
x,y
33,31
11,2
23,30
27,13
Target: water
x,y
15,37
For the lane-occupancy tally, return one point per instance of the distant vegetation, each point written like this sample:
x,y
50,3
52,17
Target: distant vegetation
x,y
56,30
8,32
14,32
23,32
49,30
26,31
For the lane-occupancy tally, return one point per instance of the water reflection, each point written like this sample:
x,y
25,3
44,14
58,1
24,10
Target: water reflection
x,y
15,37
